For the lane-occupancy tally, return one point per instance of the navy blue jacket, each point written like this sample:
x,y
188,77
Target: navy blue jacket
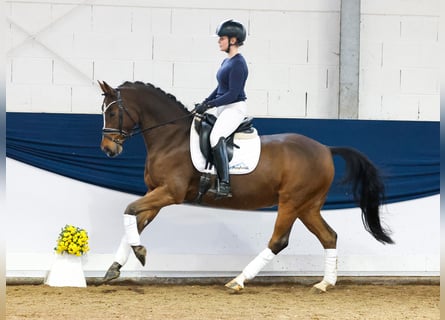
x,y
231,76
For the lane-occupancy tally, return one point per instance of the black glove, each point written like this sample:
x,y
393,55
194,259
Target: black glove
x,y
201,107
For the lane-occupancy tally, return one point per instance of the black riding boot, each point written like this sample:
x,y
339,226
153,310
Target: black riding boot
x,y
221,162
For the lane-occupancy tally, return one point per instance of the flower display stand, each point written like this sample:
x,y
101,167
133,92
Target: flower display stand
x,y
66,271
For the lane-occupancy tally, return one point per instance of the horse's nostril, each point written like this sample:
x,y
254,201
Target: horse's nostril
x,y
111,151
107,150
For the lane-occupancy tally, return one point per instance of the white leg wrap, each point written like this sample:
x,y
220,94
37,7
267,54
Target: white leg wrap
x,y
131,230
123,252
255,266
330,266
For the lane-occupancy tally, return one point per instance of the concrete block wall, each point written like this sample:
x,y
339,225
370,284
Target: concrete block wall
x,y
58,49
399,60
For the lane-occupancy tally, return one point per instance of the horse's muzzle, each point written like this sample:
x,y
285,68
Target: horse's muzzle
x,y
111,147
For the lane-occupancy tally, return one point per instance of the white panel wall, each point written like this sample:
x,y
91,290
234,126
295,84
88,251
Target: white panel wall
x,y
190,240
399,73
62,47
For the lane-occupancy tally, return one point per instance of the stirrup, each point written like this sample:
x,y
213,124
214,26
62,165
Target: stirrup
x,y
204,186
223,190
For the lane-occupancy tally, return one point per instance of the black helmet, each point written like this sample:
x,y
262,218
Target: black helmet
x,y
231,28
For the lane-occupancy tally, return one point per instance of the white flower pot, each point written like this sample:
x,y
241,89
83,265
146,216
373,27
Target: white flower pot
x,y
66,271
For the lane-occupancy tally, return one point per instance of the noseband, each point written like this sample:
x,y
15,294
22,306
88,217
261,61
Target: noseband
x,y
122,133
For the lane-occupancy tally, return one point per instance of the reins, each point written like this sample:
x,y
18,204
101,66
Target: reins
x,y
124,134
140,131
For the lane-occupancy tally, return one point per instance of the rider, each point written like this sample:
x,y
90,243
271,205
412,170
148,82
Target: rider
x,y
228,101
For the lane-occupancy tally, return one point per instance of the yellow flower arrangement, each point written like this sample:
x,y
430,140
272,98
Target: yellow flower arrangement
x,y
72,240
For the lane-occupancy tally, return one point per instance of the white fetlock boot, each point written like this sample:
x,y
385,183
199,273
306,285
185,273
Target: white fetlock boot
x,y
251,270
330,272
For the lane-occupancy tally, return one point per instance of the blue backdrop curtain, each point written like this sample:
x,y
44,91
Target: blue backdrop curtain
x,y
407,152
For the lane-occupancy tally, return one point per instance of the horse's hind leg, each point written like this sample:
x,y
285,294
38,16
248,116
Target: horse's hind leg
x,y
328,238
278,241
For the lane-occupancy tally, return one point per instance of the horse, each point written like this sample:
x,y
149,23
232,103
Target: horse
x,y
294,173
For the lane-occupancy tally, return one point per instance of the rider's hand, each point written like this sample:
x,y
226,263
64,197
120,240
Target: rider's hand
x,y
201,107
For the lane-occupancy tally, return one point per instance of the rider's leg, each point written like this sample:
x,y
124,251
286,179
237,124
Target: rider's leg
x,y
229,117
220,158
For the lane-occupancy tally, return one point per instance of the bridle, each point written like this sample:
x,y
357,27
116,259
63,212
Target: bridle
x,y
123,134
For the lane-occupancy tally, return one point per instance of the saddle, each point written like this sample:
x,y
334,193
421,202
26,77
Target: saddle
x,y
204,126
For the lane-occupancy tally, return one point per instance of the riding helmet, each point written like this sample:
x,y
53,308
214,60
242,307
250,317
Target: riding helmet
x,y
232,28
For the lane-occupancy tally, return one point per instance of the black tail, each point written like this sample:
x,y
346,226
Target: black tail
x,y
368,189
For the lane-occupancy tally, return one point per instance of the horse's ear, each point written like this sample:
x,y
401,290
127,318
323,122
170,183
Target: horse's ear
x,y
106,88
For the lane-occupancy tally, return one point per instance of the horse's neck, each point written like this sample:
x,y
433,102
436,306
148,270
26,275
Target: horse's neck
x,y
168,136
171,126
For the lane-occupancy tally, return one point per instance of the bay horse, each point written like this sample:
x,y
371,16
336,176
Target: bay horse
x,y
294,172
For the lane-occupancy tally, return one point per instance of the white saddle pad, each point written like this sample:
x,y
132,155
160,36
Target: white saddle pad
x,y
245,159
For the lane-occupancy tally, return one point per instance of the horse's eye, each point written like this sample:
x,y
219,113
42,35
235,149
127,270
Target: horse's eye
x,y
112,114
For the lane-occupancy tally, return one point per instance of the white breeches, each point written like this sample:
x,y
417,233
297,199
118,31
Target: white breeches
x,y
229,117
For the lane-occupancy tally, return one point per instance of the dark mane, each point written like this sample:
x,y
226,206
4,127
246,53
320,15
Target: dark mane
x,y
142,85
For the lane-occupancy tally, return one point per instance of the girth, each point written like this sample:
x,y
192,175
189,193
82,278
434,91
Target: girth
x,y
204,126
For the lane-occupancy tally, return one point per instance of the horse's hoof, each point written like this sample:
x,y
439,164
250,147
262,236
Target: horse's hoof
x,y
113,272
234,286
140,253
321,287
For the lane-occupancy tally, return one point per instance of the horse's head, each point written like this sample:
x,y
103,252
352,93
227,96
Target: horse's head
x,y
119,120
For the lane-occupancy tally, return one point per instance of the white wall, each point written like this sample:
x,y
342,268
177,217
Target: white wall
x,y
292,50
196,241
58,49
399,60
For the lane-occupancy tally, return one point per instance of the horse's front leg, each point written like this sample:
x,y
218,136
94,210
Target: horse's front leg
x,y
125,246
136,217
